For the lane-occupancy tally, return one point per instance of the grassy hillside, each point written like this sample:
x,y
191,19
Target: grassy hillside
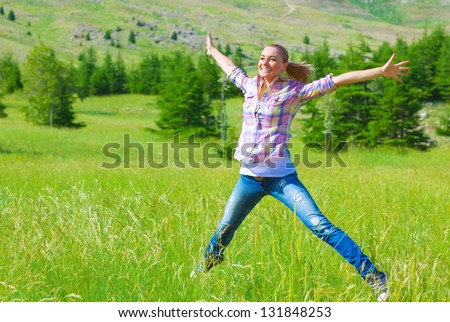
x,y
65,24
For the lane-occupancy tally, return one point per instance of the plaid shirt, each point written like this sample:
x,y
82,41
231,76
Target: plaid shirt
x,y
266,127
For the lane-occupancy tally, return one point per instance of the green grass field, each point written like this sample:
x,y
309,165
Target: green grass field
x,y
74,231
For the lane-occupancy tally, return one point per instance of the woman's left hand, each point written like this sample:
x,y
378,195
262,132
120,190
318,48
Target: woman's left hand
x,y
395,71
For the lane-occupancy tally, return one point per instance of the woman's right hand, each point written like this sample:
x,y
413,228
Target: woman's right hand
x,y
225,63
209,44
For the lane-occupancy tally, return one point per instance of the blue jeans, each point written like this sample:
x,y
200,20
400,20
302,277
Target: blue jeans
x,y
291,192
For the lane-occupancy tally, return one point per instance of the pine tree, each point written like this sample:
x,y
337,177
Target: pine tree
x,y
2,11
107,34
49,89
227,50
395,119
356,100
103,77
442,79
209,75
99,82
174,36
320,111
146,77
181,101
11,15
10,76
110,77
154,73
132,37
232,90
2,110
84,73
322,61
383,52
306,40
426,53
2,106
120,77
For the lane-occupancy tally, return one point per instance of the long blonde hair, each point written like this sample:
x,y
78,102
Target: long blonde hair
x,y
298,71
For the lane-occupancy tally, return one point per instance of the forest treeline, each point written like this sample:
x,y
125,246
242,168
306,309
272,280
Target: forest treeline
x,y
191,92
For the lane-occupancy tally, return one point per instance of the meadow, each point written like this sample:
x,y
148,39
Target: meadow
x,y
73,230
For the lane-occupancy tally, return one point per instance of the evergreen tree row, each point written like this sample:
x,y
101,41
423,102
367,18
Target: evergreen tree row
x,y
111,76
382,111
191,93
186,88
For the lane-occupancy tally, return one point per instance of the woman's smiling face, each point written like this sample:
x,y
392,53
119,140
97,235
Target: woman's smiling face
x,y
271,64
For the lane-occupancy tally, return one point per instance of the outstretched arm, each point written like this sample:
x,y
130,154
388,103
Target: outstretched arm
x,y
390,70
223,61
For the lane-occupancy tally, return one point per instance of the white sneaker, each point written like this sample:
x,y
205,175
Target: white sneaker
x,y
209,262
379,284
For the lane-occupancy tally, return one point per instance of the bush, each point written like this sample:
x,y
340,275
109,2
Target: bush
x,y
443,124
306,40
107,35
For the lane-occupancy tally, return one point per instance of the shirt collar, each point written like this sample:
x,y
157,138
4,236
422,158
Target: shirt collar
x,y
260,80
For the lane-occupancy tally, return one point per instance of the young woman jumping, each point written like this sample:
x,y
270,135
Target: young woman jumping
x,y
270,104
